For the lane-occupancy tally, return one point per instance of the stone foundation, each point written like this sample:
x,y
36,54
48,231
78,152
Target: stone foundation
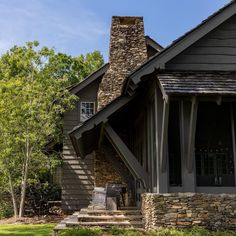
x,y
182,210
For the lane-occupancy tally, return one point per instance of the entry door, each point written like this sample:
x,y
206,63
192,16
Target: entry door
x,y
214,153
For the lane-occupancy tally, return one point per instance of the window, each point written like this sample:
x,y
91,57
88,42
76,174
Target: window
x,y
213,145
87,109
175,168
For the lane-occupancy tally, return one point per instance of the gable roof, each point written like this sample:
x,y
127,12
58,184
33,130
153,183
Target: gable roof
x,y
179,45
79,133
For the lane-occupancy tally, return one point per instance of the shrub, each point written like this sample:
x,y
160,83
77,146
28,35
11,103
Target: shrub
x,y
81,232
126,232
38,195
6,210
116,231
195,231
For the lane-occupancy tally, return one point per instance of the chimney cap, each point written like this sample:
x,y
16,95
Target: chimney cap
x,y
127,20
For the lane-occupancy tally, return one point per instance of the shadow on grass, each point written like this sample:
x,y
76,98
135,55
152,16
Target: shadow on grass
x,y
26,230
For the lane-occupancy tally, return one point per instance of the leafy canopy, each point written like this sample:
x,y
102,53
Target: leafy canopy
x,y
33,97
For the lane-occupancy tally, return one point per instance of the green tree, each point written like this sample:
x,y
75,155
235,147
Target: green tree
x,y
33,96
74,68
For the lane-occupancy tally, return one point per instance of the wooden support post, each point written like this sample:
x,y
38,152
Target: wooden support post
x,y
233,138
188,115
192,131
126,155
164,136
162,177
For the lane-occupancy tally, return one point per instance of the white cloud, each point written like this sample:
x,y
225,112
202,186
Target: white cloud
x,y
50,22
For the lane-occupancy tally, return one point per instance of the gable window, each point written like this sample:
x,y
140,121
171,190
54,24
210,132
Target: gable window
x,y
87,109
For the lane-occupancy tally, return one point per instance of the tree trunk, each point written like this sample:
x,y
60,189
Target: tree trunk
x,y
24,179
23,190
13,197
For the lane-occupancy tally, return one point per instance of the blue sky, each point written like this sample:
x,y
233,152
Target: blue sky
x,y
80,26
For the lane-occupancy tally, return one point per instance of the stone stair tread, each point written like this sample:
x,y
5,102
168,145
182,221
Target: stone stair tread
x,y
124,218
125,212
129,208
76,213
104,223
119,217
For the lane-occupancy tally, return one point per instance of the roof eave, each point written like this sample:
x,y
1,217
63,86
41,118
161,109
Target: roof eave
x,y
95,121
152,43
88,80
159,60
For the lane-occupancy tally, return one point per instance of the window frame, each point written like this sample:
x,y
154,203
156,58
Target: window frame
x,y
81,112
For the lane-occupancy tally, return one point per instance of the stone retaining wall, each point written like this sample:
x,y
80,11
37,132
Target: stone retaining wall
x,y
182,210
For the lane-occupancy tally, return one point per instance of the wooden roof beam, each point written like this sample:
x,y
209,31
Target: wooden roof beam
x,y
126,155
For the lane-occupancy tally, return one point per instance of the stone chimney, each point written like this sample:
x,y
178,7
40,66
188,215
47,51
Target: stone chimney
x,y
127,52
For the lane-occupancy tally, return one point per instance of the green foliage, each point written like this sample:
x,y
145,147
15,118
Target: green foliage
x,y
126,232
81,232
33,97
116,231
46,229
27,230
6,210
38,195
195,231
74,68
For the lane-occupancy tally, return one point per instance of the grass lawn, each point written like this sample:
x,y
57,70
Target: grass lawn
x,y
27,230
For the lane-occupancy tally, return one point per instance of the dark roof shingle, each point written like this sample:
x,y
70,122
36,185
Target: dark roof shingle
x,y
198,83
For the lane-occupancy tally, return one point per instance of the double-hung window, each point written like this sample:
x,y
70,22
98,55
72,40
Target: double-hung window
x,y
87,109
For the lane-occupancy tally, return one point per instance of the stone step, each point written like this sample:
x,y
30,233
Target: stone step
x,y
104,219
129,208
109,212
117,218
105,224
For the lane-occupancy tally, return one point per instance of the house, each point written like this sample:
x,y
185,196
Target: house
x,y
80,175
156,120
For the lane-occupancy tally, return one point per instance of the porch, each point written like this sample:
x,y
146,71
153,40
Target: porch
x,y
175,134
201,131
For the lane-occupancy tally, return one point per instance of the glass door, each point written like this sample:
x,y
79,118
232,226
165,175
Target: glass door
x,y
214,153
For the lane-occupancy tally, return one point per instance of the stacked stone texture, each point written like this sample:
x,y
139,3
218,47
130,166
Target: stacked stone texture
x,y
183,210
104,172
127,52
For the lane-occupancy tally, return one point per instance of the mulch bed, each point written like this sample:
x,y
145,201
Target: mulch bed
x,y
33,220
